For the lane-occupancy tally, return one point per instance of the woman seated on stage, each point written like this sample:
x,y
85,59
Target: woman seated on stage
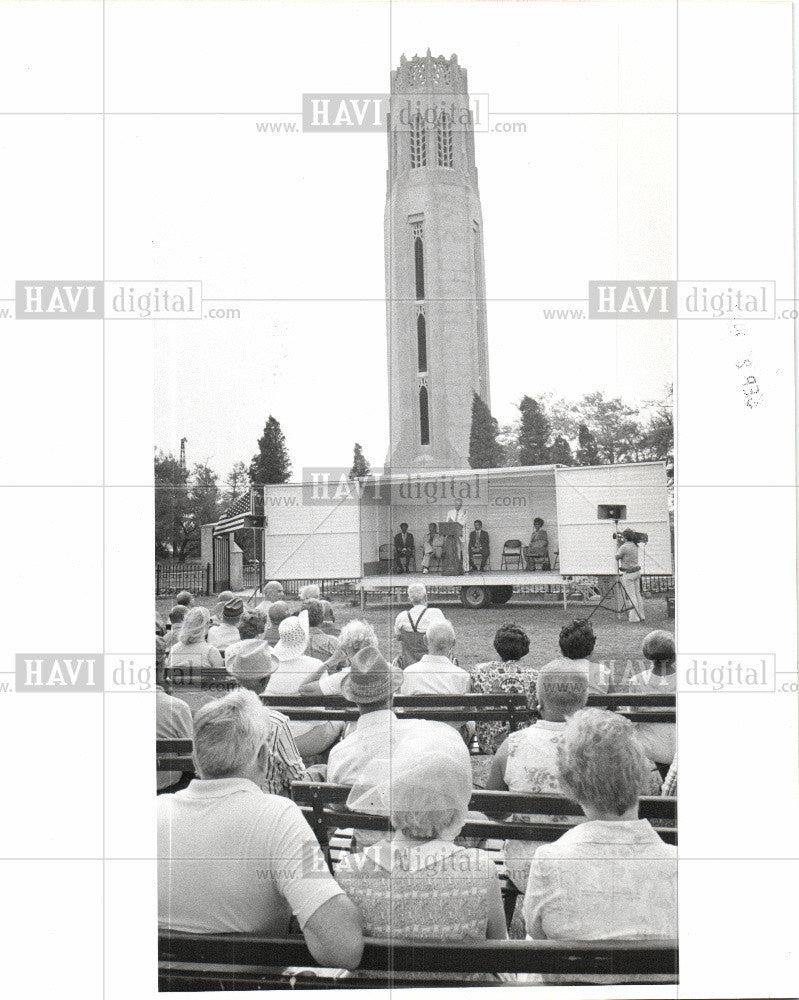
x,y
420,885
611,877
506,675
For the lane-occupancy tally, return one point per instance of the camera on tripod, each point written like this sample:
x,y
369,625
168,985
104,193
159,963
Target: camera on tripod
x,y
639,537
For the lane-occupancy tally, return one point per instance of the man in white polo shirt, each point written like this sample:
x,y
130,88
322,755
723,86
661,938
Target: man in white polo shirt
x,y
232,858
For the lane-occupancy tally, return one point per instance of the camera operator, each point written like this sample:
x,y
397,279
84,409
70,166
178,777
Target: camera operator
x,y
630,569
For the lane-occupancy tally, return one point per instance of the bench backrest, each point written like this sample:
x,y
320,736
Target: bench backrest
x,y
204,961
324,806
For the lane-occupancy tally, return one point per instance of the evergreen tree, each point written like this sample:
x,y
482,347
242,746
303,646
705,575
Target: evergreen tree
x,y
238,479
485,451
533,433
360,467
271,464
171,507
561,453
587,453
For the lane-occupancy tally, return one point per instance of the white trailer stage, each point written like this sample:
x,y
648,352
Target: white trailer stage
x,y
331,528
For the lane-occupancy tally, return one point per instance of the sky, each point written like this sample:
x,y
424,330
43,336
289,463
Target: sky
x,y
290,226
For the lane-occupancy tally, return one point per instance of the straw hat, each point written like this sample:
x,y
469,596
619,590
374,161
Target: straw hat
x,y
371,678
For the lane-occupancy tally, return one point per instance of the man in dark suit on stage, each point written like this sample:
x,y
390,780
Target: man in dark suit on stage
x,y
478,547
403,548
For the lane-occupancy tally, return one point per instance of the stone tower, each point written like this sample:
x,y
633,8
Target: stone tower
x,y
435,272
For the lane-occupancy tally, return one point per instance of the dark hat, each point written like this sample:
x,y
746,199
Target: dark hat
x,y
371,677
233,610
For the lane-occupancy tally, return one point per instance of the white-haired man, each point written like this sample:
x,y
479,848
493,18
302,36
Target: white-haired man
x,y
436,673
411,626
233,859
272,592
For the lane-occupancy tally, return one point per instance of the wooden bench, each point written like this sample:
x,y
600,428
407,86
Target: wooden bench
x,y
246,961
510,708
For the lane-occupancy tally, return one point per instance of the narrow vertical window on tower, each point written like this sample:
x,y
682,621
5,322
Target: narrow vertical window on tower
x,y
444,140
418,142
418,258
424,416
421,339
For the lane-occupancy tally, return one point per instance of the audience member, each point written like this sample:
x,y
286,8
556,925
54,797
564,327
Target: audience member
x,y
612,876
250,659
271,592
436,673
659,739
507,675
176,616
526,761
421,885
191,649
227,631
278,612
311,592
411,626
293,667
184,598
669,789
577,641
172,717
233,859
329,676
320,643
221,600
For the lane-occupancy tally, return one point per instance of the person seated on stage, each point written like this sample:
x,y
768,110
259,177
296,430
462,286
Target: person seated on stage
x,y
176,616
526,761
611,876
420,884
478,548
659,739
232,859
432,547
277,613
403,549
538,549
411,626
577,641
293,667
506,675
272,591
321,644
185,598
328,677
227,632
172,719
312,593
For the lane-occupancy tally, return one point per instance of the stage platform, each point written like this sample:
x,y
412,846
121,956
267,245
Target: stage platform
x,y
475,589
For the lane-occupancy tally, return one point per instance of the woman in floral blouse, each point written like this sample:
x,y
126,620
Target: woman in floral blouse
x,y
508,675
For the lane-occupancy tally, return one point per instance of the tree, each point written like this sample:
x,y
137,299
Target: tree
x,y
587,452
508,439
271,464
485,451
560,452
203,506
238,479
614,425
533,433
171,507
360,467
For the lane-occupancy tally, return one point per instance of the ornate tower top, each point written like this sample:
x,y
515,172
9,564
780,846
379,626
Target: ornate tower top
x,y
429,73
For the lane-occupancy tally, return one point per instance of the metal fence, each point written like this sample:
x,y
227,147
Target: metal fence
x,y
192,576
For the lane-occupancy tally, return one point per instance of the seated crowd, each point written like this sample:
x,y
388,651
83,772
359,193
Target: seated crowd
x,y
424,882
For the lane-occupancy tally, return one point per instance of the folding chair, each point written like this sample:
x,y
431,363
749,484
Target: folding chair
x,y
511,554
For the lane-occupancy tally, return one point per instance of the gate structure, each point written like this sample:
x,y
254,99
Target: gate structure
x,y
221,562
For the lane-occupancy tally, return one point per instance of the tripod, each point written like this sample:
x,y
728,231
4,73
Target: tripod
x,y
615,589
